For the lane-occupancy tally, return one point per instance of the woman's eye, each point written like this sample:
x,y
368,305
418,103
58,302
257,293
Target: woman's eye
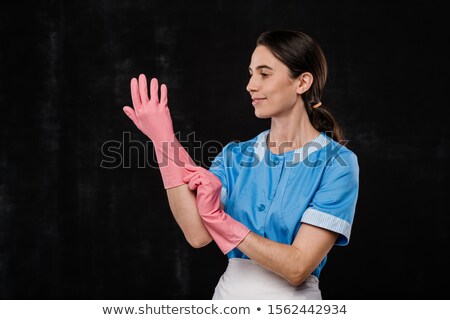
x,y
261,74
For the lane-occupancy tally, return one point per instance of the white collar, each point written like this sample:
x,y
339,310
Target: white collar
x,y
260,146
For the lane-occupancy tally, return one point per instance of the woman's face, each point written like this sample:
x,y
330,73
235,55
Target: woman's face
x,y
272,90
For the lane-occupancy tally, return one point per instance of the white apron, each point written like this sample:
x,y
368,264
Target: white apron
x,y
245,279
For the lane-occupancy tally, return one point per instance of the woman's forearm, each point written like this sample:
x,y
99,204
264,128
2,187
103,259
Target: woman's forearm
x,y
293,262
282,259
184,209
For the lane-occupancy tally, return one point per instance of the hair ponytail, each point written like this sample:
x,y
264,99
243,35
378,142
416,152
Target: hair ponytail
x,y
323,121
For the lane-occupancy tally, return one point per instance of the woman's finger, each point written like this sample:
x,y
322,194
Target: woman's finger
x,y
164,99
131,114
189,176
135,94
143,88
195,179
154,90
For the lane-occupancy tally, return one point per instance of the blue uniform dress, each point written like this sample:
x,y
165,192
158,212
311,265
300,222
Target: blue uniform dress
x,y
273,194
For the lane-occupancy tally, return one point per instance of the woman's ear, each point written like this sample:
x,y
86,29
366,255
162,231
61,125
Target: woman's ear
x,y
305,81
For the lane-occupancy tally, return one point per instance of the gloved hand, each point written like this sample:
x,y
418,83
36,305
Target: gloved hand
x,y
152,116
226,231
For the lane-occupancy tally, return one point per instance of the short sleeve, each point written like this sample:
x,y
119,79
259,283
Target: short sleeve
x,y
219,168
333,205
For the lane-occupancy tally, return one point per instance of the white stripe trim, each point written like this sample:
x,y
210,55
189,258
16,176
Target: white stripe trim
x,y
329,222
260,145
223,196
318,143
300,154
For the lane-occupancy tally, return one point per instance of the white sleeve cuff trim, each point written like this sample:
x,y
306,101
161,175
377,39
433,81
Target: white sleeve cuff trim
x,y
327,221
223,196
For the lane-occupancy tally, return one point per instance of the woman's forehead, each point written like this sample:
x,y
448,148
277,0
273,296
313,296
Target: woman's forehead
x,y
262,57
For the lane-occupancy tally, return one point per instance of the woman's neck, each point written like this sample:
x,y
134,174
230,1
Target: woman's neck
x,y
290,132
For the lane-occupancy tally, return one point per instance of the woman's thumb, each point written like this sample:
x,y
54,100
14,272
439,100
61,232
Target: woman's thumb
x,y
131,114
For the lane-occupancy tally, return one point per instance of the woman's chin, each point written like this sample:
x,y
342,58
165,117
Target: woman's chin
x,y
261,115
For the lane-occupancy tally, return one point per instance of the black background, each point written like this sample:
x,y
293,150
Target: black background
x,y
72,229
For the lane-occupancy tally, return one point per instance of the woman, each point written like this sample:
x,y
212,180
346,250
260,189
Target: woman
x,y
275,204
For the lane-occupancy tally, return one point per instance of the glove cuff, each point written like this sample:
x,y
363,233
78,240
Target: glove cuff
x,y
226,231
174,162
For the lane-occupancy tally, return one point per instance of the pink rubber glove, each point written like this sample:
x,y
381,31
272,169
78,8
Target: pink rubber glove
x,y
226,231
152,117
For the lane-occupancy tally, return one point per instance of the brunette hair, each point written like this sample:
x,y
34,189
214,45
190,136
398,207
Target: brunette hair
x,y
300,53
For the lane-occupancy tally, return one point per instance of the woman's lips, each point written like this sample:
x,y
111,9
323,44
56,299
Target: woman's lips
x,y
257,101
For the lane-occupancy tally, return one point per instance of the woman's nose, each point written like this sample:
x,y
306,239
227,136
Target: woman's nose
x,y
251,85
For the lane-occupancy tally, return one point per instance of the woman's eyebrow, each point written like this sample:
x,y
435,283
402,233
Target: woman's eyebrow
x,y
261,67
